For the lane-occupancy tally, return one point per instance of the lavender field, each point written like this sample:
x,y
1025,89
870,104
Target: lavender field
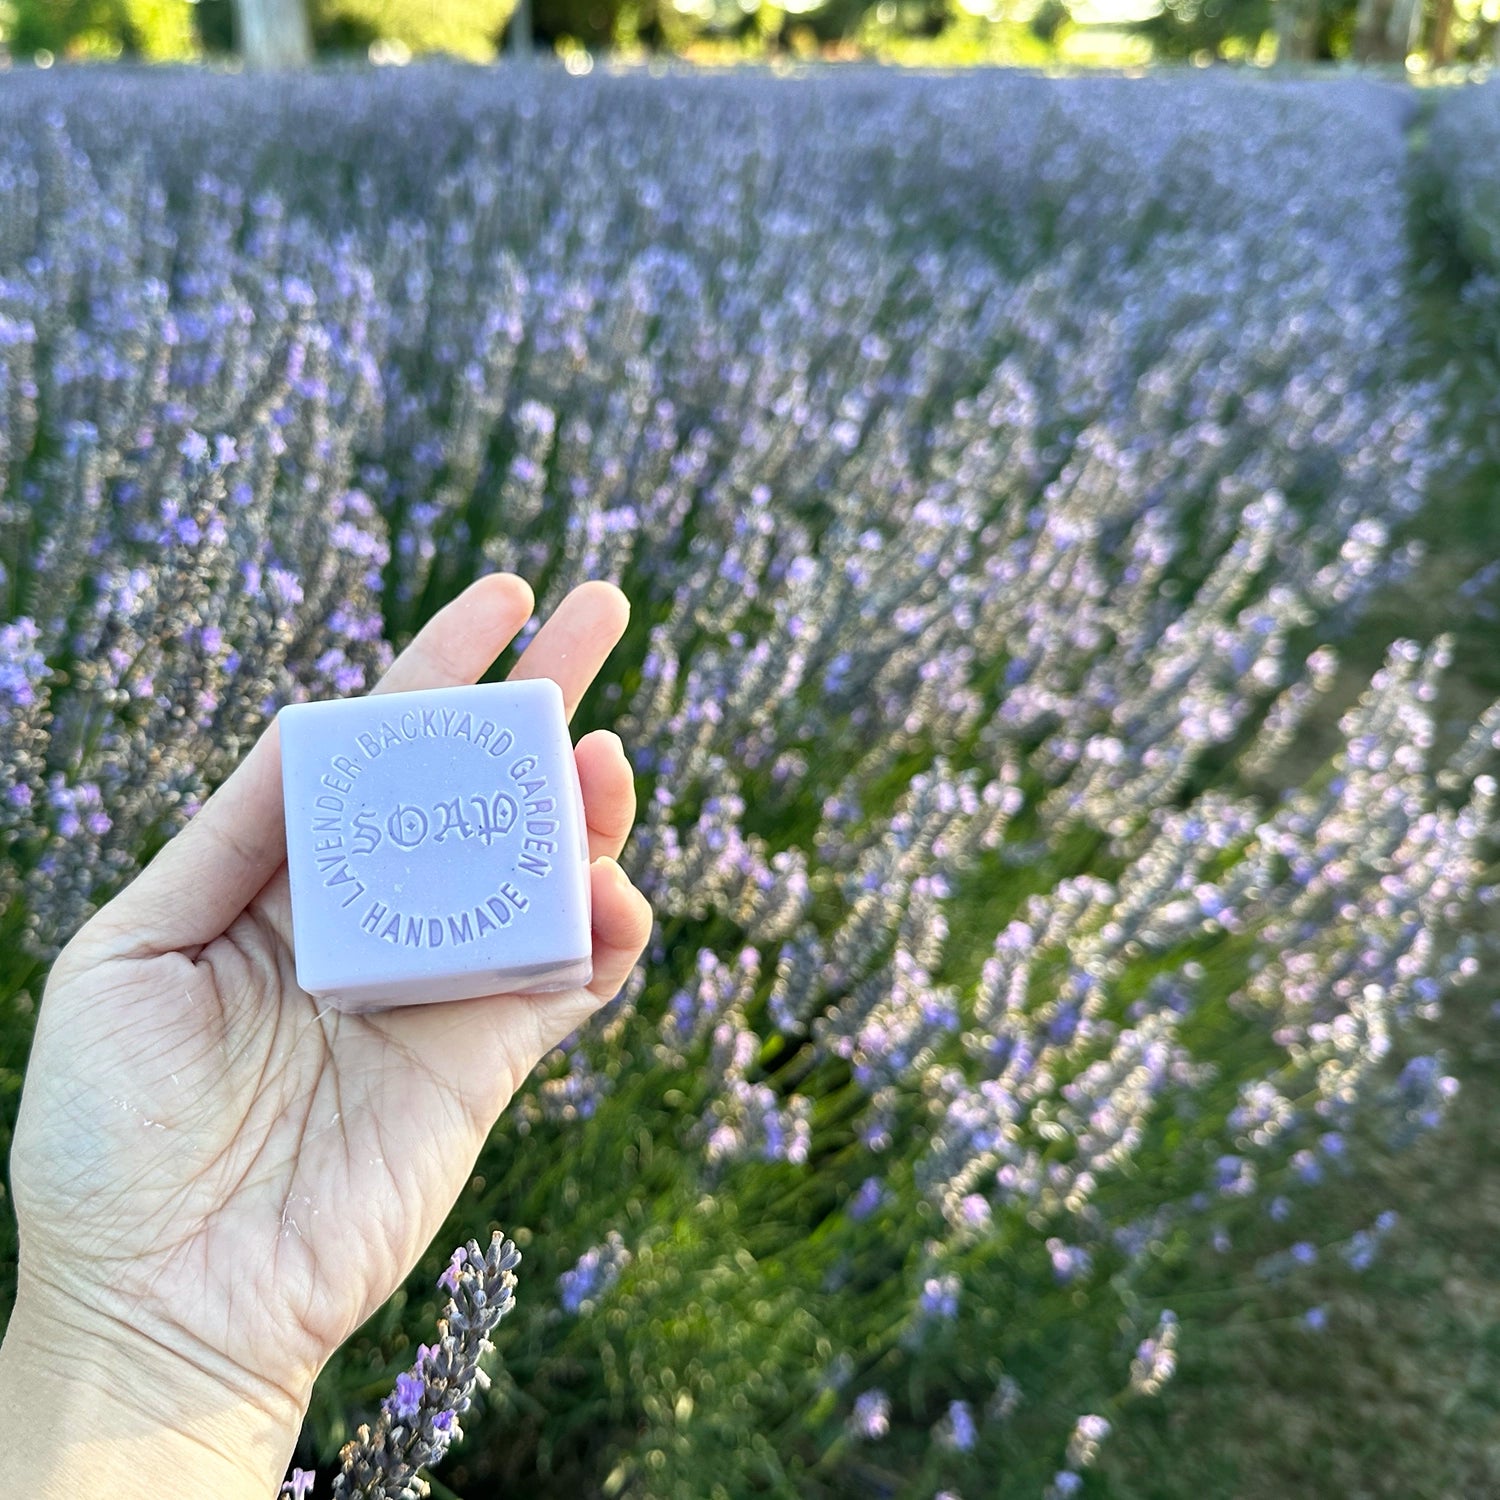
x,y
1066,833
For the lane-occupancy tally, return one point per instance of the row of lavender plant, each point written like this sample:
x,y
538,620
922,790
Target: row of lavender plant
x,y
996,468
1457,189
1456,224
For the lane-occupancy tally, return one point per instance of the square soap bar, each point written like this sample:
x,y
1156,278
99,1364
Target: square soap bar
x,y
436,845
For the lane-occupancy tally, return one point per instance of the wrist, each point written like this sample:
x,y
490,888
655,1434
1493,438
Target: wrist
x,y
100,1409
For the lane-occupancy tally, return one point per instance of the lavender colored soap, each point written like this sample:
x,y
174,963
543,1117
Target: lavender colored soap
x,y
436,845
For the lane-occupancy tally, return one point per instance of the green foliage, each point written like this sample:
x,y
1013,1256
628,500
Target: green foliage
x,y
1048,20
157,29
1185,27
469,30
1398,1396
933,32
215,22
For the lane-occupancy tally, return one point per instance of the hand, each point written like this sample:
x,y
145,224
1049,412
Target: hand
x,y
218,1178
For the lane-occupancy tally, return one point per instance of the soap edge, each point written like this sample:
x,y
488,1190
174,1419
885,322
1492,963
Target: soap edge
x,y
569,973
291,714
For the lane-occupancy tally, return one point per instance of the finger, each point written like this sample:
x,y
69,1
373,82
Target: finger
x,y
485,1049
456,646
205,877
608,792
572,645
622,927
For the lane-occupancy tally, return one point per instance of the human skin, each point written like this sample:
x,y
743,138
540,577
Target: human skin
x,y
216,1179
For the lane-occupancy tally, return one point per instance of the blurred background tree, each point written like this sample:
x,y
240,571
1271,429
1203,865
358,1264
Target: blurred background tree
x,y
1186,28
155,29
1433,32
470,29
1426,33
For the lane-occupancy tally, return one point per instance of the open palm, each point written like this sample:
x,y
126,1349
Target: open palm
x,y
216,1164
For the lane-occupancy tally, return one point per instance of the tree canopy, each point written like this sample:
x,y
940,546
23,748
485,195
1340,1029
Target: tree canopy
x,y
1437,31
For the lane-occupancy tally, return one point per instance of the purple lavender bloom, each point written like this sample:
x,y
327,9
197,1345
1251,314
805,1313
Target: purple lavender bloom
x,y
1069,1262
871,1417
962,1430
1236,1176
283,588
418,1421
939,1297
869,1196
22,666
406,1400
975,1211
1307,1167
597,1270
449,1280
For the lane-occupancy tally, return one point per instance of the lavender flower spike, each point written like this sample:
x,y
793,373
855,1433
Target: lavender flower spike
x,y
419,1419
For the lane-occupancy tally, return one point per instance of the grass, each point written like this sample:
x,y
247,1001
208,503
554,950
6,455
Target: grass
x,y
1400,1395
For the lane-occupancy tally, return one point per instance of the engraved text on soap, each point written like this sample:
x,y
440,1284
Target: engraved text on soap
x,y
351,821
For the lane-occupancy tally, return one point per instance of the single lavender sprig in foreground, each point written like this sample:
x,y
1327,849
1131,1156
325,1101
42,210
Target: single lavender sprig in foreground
x,y
419,1419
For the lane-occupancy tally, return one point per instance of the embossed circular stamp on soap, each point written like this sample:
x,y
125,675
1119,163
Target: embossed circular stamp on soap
x,y
436,845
